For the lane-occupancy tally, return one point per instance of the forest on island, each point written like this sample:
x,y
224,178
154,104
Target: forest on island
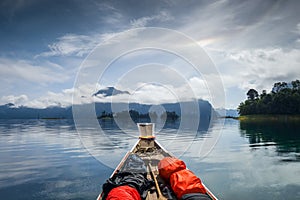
x,y
136,115
284,98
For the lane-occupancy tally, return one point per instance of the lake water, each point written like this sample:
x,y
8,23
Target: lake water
x,y
47,159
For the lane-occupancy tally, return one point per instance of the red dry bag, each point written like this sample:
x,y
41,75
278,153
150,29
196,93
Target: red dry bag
x,y
169,165
185,182
123,192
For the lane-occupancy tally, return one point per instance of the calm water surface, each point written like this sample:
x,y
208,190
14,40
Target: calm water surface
x,y
46,159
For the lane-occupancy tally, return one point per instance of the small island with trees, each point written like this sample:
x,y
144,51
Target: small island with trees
x,y
283,100
135,115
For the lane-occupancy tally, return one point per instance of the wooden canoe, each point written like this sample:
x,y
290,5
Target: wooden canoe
x,y
151,152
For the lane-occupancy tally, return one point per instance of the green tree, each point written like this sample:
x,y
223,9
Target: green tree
x,y
279,86
296,84
252,94
283,99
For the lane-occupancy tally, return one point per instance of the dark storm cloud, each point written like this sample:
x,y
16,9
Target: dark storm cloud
x,y
31,25
246,24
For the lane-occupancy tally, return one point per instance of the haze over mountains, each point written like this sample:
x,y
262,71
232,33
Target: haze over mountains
x,y
10,111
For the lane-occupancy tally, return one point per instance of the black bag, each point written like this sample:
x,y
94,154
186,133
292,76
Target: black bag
x,y
195,196
133,173
134,164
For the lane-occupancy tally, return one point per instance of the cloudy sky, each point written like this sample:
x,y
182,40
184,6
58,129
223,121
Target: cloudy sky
x,y
44,42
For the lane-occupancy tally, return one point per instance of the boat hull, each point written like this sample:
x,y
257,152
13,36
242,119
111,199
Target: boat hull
x,y
151,152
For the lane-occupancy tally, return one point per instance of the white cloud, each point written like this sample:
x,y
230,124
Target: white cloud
x,y
17,100
72,44
105,6
146,93
76,45
22,70
246,24
252,44
66,97
200,88
260,68
158,93
113,16
144,21
81,45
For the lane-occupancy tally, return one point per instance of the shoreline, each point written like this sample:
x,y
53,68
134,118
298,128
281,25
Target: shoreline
x,y
275,118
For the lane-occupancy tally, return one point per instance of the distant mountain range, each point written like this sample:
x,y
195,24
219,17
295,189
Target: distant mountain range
x,y
222,112
10,111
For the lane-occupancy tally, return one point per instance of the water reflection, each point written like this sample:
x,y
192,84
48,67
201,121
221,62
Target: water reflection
x,y
45,159
282,134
